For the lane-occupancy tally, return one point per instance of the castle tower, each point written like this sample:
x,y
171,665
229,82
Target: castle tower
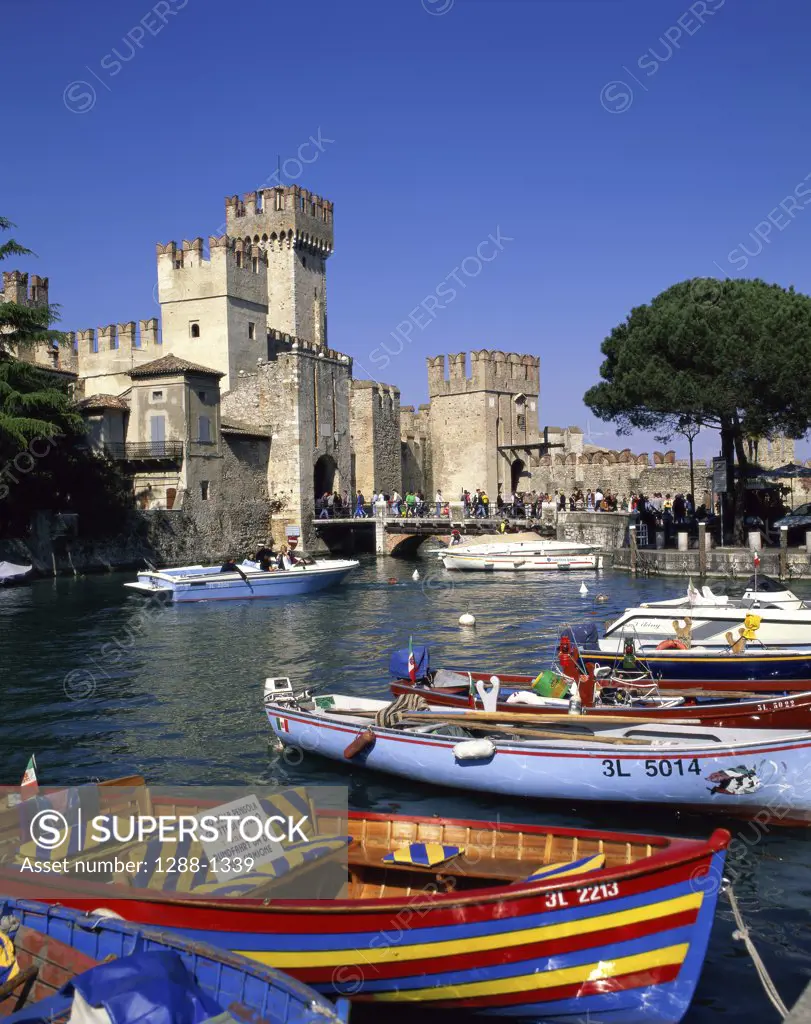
x,y
474,413
214,309
295,228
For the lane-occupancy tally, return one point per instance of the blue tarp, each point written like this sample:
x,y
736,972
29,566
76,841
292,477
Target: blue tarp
x,y
398,666
583,634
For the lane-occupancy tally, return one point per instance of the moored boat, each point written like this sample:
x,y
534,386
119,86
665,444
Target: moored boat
x,y
632,700
521,556
776,618
709,770
209,583
54,960
11,573
534,923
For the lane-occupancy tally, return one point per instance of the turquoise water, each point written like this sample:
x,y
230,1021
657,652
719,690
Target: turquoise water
x,y
98,684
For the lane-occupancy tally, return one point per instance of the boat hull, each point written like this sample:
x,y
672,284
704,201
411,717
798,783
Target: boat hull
x,y
784,712
696,775
208,585
777,671
520,563
626,944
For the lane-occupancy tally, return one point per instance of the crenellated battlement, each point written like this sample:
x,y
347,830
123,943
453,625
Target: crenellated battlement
x,y
191,253
282,217
507,372
19,289
122,339
281,343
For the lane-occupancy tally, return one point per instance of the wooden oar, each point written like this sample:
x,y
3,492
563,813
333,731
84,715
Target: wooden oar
x,y
590,721
244,576
536,734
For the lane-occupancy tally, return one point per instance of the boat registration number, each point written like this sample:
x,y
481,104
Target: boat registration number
x,y
775,705
653,767
588,894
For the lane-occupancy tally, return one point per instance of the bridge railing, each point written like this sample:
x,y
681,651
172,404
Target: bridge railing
x,y
453,511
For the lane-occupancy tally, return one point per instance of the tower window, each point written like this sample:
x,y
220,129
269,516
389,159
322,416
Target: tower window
x,y
260,201
255,262
201,395
304,261
204,430
239,259
204,490
194,328
279,199
157,396
251,330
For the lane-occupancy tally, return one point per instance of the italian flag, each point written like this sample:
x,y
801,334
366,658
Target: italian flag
x,y
29,784
412,662
282,724
757,560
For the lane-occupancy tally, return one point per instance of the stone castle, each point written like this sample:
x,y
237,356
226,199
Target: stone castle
x,y
233,403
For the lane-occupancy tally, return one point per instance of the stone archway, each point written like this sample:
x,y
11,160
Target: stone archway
x,y
326,478
517,470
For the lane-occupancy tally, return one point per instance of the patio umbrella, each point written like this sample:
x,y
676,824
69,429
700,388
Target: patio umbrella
x,y
791,471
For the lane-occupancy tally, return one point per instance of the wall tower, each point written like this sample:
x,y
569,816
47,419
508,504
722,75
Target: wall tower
x,y
295,228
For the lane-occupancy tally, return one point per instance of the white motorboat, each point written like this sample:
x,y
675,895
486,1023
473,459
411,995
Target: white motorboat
x,y
208,583
782,619
522,556
11,573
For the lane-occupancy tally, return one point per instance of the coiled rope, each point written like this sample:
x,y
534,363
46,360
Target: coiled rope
x,y
394,713
743,934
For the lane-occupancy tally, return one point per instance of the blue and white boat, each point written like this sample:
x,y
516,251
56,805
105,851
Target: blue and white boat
x,y
209,583
735,772
55,961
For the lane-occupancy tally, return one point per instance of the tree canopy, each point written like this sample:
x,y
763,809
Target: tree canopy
x,y
44,463
734,355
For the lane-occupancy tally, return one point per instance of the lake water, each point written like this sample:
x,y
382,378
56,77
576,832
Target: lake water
x,y
98,689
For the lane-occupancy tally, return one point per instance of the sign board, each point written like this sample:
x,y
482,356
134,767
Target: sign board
x,y
719,476
292,535
228,854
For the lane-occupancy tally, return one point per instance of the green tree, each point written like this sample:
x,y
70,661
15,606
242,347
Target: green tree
x,y
44,463
732,355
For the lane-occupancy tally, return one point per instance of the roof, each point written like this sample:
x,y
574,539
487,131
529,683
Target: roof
x,y
103,402
244,430
171,365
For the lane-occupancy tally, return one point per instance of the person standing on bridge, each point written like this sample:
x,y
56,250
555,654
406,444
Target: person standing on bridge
x,y
438,499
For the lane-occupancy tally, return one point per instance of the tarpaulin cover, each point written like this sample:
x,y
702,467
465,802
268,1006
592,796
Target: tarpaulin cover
x,y
150,988
583,634
398,666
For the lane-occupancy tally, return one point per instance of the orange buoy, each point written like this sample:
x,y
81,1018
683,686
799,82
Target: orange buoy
x,y
671,645
363,741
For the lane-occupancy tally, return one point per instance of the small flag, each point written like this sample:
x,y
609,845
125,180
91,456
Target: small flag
x,y
282,724
412,661
29,784
757,560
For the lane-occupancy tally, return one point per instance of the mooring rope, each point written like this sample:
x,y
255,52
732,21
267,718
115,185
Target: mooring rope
x,y
743,933
394,713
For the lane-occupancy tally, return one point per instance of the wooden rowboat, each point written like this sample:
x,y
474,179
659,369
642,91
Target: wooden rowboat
x,y
792,711
743,773
618,929
54,946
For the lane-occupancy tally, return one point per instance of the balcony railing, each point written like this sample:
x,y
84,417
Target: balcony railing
x,y
144,451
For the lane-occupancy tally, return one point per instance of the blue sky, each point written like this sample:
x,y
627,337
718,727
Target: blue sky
x,y
618,146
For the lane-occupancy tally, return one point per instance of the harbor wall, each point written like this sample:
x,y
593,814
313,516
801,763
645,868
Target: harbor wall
x,y
608,529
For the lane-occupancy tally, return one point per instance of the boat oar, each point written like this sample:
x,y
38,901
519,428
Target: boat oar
x,y
536,734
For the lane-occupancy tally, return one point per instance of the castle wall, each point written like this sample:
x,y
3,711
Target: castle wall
x,y
221,297
105,356
415,450
375,431
300,395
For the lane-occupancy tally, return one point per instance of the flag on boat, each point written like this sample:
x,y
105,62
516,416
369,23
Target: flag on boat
x,y
29,784
757,560
282,724
412,661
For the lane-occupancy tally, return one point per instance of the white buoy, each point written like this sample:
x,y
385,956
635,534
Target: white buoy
x,y
467,619
583,590
415,575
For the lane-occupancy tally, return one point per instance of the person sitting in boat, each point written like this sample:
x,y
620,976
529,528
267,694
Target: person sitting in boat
x,y
456,537
229,565
265,559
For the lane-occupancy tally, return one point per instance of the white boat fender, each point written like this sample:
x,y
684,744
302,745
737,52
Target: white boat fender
x,y
474,750
583,590
467,619
415,575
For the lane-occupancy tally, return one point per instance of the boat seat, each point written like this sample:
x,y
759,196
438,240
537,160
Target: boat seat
x,y
505,869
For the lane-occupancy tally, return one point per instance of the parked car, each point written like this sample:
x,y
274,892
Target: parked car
x,y
797,521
